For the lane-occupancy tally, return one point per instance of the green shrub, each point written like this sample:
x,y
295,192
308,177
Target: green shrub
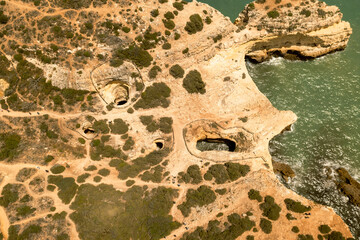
x,y
97,179
51,188
305,237
25,174
165,124
169,24
163,1
193,83
9,144
125,29
129,183
218,171
67,187
155,95
166,46
305,12
217,38
260,1
208,20
177,36
104,208
185,51
81,140
3,18
192,175
118,126
295,206
101,127
265,225
178,5
169,15
199,197
137,55
24,210
255,195
91,168
154,72
82,177
48,158
57,169
221,191
270,209
154,13
295,229
195,25
129,143
273,14
177,71
104,172
10,194
324,229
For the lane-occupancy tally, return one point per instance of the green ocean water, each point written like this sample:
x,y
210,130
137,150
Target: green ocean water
x,y
325,95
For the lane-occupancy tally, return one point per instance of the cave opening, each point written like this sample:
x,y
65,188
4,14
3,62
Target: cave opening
x,y
216,144
120,103
159,145
89,131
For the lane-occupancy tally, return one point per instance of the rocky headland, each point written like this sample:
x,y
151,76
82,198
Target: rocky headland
x,y
139,120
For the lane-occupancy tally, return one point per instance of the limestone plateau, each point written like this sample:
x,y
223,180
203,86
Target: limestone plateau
x,y
138,120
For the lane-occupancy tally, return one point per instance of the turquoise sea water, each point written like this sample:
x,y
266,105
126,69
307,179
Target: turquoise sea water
x,y
325,95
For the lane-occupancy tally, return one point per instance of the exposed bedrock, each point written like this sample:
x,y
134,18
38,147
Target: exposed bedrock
x,y
293,29
348,186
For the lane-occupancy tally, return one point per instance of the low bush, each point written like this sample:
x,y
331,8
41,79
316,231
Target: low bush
x,y
104,172
192,175
155,95
324,229
137,55
255,195
178,5
305,12
195,24
270,209
265,225
10,194
24,210
273,14
199,197
169,15
67,187
193,83
296,206
57,169
154,13
169,24
154,72
118,126
295,229
9,144
177,71
166,46
82,177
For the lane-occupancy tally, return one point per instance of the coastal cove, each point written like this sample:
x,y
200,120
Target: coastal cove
x,y
324,94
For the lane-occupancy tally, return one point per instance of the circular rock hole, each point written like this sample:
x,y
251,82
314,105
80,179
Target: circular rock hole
x,y
159,144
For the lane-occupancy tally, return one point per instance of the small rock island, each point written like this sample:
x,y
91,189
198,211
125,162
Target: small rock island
x,y
137,119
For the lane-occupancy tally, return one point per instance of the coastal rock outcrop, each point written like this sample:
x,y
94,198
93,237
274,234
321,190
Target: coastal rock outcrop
x,y
293,29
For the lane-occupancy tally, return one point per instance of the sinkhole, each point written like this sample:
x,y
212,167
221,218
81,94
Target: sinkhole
x,y
159,143
89,131
216,144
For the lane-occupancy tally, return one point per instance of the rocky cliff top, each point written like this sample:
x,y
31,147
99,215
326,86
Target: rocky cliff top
x,y
138,120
